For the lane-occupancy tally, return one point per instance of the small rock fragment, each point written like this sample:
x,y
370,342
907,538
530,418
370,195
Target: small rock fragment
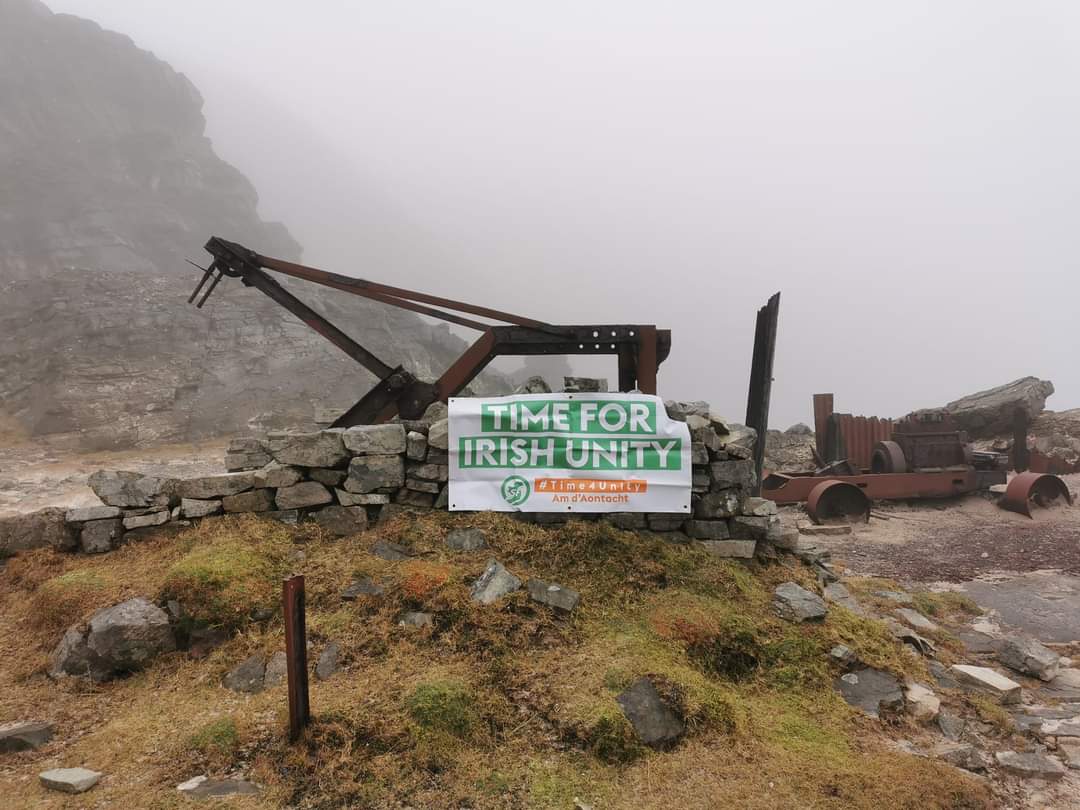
x,y
843,655
921,703
24,736
328,661
552,595
495,583
915,619
201,787
364,586
655,723
984,679
466,539
394,552
302,495
962,755
249,676
872,690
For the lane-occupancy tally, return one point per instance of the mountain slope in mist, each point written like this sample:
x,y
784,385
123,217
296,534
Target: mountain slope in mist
x,y
107,182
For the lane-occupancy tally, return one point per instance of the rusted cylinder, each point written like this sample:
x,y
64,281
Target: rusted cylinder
x,y
837,499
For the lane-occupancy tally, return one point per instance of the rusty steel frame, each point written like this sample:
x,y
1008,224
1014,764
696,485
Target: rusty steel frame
x,y
293,606
1032,487
881,487
640,349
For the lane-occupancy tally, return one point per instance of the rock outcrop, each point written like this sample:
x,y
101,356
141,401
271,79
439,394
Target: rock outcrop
x,y
990,413
108,183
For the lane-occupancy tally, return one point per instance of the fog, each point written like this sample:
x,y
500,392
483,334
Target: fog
x,y
907,174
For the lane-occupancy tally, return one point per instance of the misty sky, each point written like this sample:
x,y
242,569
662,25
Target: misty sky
x,y
905,173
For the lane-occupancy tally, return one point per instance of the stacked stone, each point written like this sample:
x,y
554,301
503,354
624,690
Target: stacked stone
x,y
338,478
723,517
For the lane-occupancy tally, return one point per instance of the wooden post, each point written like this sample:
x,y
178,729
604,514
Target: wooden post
x,y
757,399
292,598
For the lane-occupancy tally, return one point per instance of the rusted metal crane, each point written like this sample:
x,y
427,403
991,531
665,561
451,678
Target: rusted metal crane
x,y
640,348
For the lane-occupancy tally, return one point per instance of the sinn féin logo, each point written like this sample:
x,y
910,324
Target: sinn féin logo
x,y
515,490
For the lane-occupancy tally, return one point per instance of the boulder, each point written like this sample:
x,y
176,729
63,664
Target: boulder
x,y
215,486
24,736
495,583
794,603
655,723
117,640
303,495
41,529
552,595
323,448
984,679
991,412
1029,657
466,539
341,521
375,440
439,435
1030,765
69,780
790,452
872,690
131,490
369,473
99,536
248,676
274,476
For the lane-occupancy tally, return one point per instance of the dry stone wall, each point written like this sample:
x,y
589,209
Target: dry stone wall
x,y
346,479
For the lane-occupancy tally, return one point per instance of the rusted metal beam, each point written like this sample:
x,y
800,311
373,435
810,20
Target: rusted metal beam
x,y
466,367
823,406
884,487
648,361
761,370
292,598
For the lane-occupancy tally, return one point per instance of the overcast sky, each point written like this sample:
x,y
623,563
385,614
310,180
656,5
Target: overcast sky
x,y
907,174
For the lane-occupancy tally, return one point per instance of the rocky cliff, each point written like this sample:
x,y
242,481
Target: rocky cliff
x,y
107,183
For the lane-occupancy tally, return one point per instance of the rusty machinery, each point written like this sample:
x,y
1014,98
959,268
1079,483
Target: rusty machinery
x,y
925,456
640,348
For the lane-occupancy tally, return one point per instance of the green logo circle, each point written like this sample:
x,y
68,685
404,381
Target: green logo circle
x,y
515,490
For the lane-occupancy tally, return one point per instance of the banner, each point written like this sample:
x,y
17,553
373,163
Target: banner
x,y
568,453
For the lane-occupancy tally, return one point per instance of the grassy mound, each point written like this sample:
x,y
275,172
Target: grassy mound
x,y
508,705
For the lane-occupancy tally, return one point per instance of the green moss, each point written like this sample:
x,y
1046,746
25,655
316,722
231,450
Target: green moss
x,y
223,583
216,737
557,783
608,734
445,706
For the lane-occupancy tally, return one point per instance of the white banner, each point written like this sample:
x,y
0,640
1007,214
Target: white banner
x,y
568,453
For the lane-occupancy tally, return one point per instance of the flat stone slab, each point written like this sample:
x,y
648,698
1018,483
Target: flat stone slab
x,y
921,703
1041,604
987,680
69,780
495,583
249,676
215,486
375,439
194,508
201,787
1030,765
1071,752
962,755
370,473
553,595
655,723
825,530
912,618
346,498
324,448
794,603
86,513
274,476
732,549
256,500
872,690
99,536
1064,686
24,736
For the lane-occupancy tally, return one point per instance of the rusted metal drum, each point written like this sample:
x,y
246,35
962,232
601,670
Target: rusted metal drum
x,y
1029,488
887,458
831,500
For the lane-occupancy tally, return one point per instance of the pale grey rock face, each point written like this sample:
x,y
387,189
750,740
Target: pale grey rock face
x,y
874,691
275,475
1030,765
277,669
439,435
346,498
322,448
192,508
712,505
118,640
1029,657
99,536
24,736
214,486
147,520
341,521
991,412
248,676
466,539
255,500
377,440
86,513
415,446
41,529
